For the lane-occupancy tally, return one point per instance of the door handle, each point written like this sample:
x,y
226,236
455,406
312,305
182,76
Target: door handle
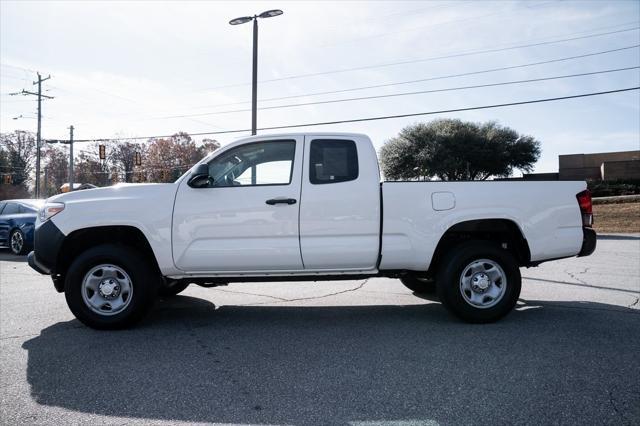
x,y
275,201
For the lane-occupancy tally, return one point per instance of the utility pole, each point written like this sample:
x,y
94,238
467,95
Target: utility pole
x,y
70,158
254,80
46,181
39,135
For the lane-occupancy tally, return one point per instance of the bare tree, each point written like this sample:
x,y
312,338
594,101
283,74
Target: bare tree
x,y
123,155
55,169
20,149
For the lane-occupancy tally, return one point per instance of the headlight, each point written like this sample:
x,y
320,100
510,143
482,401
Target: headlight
x,y
49,210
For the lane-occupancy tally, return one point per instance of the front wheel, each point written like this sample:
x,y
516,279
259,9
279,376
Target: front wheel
x,y
479,282
110,287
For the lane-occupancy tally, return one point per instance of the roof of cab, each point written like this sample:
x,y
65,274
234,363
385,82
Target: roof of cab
x,y
298,134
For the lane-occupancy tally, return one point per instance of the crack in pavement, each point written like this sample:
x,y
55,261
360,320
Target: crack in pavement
x,y
252,294
631,306
624,290
349,290
63,330
19,336
578,273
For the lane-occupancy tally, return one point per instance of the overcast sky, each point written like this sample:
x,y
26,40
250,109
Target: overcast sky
x,y
124,68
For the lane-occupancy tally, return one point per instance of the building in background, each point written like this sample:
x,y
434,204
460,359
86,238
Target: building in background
x,y
622,165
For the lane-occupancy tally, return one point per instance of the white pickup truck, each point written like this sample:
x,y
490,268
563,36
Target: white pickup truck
x,y
304,207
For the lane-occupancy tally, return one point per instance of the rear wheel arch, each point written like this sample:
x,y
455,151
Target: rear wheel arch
x,y
81,240
505,232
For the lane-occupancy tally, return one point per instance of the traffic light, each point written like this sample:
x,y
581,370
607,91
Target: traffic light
x,y
138,159
7,179
102,152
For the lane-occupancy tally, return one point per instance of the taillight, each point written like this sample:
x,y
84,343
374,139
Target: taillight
x,y
586,207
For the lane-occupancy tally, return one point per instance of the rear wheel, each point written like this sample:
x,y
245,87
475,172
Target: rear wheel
x,y
479,282
419,285
110,287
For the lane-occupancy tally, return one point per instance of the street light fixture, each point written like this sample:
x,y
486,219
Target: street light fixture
x,y
254,82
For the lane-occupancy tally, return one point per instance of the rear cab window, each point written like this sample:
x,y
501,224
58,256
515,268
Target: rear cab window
x,y
332,161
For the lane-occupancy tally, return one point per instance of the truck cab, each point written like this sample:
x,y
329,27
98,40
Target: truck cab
x,y
282,205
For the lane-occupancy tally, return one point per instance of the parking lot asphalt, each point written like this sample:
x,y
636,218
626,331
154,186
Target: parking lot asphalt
x,y
363,352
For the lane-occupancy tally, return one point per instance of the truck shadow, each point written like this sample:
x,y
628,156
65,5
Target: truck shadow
x,y
191,361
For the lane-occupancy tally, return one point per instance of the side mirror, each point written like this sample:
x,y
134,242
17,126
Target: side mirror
x,y
200,177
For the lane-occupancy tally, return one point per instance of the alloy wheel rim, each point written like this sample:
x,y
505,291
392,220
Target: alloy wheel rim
x,y
107,289
483,283
17,241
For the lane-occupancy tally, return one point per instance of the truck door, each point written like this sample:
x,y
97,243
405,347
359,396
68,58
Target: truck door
x,y
340,205
247,219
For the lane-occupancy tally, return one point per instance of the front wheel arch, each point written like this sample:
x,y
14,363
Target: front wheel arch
x,y
83,239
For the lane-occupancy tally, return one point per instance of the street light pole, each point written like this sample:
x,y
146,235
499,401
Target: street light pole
x,y
254,77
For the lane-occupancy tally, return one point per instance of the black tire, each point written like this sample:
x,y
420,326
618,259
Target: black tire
x,y
419,285
22,248
143,282
172,288
449,279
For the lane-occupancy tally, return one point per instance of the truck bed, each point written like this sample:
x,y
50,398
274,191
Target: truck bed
x,y
416,215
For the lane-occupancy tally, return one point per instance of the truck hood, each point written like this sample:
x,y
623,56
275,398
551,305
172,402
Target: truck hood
x,y
120,191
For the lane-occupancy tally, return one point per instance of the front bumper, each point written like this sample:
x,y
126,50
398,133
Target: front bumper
x,y
48,240
37,266
588,242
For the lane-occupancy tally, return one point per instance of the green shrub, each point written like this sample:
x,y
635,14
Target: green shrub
x,y
610,188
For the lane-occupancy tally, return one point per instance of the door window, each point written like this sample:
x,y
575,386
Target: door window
x,y
253,164
332,161
11,208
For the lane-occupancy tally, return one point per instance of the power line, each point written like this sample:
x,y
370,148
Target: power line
x,y
128,100
442,77
421,27
419,92
432,58
474,18
384,117
17,67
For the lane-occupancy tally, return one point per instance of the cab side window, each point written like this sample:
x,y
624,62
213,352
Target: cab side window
x,y
332,161
254,164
